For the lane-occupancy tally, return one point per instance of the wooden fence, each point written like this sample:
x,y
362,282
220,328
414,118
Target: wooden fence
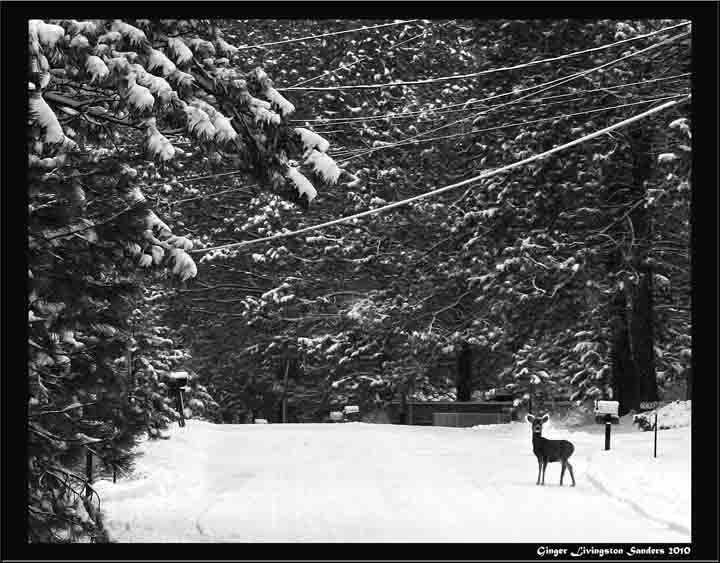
x,y
423,413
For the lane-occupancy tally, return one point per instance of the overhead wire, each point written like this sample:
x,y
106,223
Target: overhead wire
x,y
543,87
513,108
482,72
550,83
297,39
437,191
442,109
540,120
361,59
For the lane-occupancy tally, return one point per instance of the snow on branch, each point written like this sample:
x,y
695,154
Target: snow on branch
x,y
46,34
136,37
324,166
41,113
96,68
180,51
224,131
302,184
199,124
157,144
158,59
312,140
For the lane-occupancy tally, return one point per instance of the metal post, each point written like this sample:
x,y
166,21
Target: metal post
x,y
181,409
608,426
656,429
114,473
88,471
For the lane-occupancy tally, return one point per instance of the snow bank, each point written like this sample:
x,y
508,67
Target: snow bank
x,y
674,415
657,488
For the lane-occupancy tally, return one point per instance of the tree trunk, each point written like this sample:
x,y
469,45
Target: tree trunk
x,y
403,393
284,395
642,338
624,377
464,374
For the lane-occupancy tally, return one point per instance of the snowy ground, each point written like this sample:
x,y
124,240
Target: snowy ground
x,y
370,482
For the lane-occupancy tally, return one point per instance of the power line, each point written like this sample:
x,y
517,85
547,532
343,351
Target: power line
x,y
440,109
543,119
661,79
205,196
452,186
519,108
259,45
545,86
482,72
345,67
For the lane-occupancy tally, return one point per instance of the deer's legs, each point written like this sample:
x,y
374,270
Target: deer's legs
x,y
562,472
544,467
539,470
571,472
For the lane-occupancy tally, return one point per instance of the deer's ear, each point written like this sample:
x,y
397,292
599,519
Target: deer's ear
x,y
545,417
529,418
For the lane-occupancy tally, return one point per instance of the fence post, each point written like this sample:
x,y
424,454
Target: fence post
x,y
656,429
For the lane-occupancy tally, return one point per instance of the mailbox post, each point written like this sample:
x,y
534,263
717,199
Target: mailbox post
x,y
178,381
607,411
648,405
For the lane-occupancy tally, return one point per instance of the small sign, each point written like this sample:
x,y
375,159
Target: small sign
x,y
607,407
351,409
336,416
260,421
650,405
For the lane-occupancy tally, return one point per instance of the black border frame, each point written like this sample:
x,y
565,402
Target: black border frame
x,y
704,259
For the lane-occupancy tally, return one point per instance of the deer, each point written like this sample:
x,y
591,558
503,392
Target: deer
x,y
549,450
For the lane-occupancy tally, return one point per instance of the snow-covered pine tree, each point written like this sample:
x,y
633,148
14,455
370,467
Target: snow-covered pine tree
x,y
105,96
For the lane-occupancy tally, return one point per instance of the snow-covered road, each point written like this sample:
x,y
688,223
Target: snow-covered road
x,y
366,482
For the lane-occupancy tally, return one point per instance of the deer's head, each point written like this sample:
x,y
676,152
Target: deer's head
x,y
537,422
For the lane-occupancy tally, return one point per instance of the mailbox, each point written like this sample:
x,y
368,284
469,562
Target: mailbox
x,y
178,379
607,407
352,412
178,383
607,411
